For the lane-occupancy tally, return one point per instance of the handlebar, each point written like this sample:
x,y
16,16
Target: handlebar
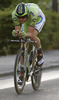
x,y
23,40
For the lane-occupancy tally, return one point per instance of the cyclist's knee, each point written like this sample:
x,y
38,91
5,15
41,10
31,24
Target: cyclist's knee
x,y
33,36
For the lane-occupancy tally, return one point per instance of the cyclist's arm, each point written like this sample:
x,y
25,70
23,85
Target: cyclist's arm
x,y
31,28
17,31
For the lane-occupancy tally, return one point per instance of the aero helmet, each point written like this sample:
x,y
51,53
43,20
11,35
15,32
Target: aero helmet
x,y
21,10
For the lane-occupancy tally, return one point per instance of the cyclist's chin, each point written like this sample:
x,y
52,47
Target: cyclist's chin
x,y
22,20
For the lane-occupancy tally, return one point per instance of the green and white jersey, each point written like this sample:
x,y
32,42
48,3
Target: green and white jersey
x,y
35,19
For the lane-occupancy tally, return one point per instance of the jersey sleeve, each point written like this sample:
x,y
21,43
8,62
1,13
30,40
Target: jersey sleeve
x,y
33,22
15,19
33,19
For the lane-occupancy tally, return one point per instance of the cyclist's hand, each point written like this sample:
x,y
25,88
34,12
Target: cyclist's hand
x,y
18,34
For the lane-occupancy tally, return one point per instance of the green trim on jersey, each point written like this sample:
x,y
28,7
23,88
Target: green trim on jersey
x,y
32,18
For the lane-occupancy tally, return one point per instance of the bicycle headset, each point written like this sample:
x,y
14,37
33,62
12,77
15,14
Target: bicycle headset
x,y
22,10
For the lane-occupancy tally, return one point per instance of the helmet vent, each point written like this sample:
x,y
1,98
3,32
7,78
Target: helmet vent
x,y
20,9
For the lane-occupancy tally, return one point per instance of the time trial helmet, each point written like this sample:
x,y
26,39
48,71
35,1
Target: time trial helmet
x,y
22,10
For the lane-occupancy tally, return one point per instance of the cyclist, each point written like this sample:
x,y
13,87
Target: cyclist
x,y
29,21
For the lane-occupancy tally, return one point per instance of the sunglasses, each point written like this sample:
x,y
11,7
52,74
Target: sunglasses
x,y
26,16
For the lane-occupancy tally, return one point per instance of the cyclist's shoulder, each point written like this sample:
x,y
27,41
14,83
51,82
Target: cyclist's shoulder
x,y
31,5
33,9
13,14
14,18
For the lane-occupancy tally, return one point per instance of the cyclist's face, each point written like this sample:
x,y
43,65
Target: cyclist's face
x,y
22,20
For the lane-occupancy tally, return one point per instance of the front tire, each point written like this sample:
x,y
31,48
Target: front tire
x,y
18,88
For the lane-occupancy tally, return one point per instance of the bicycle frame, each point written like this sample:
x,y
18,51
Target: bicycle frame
x,y
33,72
26,60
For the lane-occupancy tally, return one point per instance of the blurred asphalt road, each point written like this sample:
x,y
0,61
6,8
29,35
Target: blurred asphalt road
x,y
51,59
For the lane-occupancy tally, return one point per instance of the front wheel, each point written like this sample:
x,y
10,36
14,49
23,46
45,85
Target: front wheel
x,y
37,73
17,71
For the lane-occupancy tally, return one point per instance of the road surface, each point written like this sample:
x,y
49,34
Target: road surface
x,y
51,59
49,88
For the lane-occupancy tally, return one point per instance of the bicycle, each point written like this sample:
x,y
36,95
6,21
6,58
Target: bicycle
x,y
34,72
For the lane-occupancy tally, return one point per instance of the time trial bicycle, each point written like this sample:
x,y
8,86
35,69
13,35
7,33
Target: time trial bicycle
x,y
34,71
